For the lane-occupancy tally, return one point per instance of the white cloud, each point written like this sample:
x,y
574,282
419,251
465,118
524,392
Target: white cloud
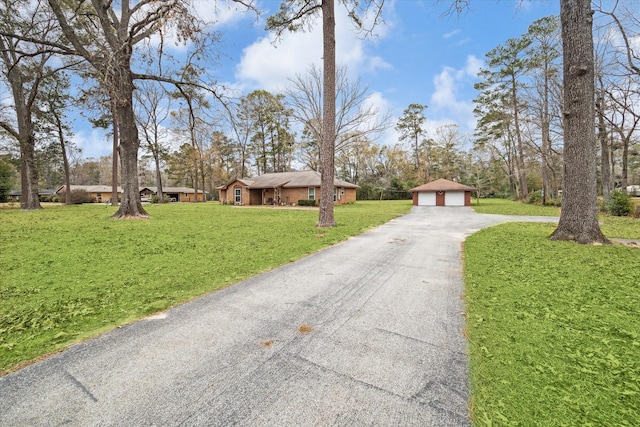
x,y
389,137
451,34
221,13
93,143
445,105
378,101
268,65
616,39
473,65
382,106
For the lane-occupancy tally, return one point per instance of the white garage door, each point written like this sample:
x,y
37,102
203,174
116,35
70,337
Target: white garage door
x,y
426,199
454,198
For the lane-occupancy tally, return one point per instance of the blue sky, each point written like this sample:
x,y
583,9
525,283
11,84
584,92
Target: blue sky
x,y
418,56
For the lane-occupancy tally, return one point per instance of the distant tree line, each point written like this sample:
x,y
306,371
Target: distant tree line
x,y
520,111
169,116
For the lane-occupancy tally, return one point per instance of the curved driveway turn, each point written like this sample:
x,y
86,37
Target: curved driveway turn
x,y
367,332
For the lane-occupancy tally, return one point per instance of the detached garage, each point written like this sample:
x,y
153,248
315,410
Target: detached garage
x,y
442,192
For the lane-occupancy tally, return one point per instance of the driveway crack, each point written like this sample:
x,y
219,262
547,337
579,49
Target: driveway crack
x,y
81,386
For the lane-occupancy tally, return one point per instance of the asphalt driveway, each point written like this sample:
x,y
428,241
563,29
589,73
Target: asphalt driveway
x,y
367,332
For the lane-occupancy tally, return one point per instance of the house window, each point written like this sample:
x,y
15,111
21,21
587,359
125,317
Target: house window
x,y
335,194
238,195
312,193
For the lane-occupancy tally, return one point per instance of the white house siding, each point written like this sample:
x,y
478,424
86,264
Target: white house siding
x,y
426,198
454,198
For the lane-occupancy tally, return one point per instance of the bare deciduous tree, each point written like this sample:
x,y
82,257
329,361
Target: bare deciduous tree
x,y
355,117
153,111
297,15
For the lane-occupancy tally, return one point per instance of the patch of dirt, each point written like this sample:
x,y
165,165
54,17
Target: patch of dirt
x,y
632,243
397,240
304,329
267,344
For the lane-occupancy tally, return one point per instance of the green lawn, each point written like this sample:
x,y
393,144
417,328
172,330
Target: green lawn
x,y
553,326
70,272
612,226
509,207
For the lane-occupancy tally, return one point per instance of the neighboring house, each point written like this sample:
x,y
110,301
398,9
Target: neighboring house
x,y
284,188
44,195
102,193
175,194
633,190
442,192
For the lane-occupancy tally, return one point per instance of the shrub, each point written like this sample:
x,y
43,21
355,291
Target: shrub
x,y
6,180
154,199
306,202
620,204
553,202
535,198
78,197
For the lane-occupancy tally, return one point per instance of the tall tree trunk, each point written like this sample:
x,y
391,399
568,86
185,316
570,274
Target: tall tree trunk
x,y
243,160
546,178
204,179
130,205
417,154
194,149
65,161
195,176
605,158
624,181
579,215
159,193
28,170
546,139
327,143
613,160
522,173
114,160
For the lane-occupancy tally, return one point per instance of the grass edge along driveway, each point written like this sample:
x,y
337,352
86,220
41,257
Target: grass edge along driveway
x,y
552,326
71,272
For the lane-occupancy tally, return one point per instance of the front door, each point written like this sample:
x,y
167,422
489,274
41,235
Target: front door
x,y
439,198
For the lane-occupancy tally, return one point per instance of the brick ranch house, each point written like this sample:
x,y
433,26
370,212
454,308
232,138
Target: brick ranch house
x,y
442,192
102,193
284,188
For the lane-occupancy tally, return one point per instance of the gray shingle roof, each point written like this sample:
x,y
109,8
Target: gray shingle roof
x,y
442,185
107,189
173,189
288,180
90,188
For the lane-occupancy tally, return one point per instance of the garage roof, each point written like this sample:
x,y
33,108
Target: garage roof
x,y
442,185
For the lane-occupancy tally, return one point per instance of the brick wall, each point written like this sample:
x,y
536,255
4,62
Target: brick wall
x,y
288,196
